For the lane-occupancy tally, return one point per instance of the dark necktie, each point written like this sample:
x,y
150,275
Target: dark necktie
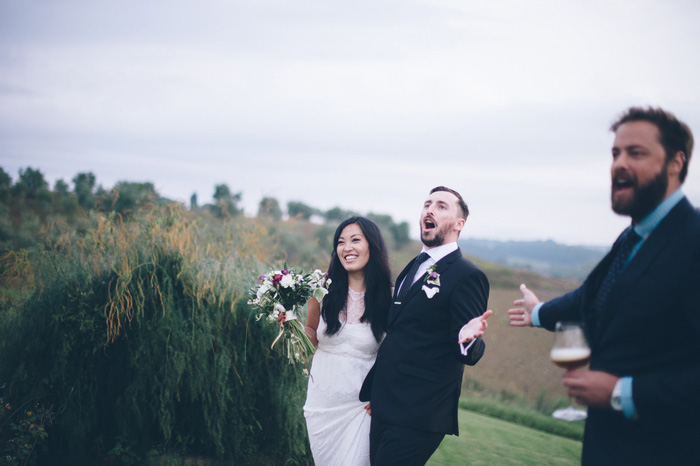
x,y
627,242
408,279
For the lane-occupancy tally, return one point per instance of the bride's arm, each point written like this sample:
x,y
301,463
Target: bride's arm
x,y
313,315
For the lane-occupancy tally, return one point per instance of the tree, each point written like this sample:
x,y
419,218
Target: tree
x,y
126,197
84,185
226,203
193,201
32,185
64,200
400,232
397,232
270,207
5,185
300,210
61,186
383,221
336,214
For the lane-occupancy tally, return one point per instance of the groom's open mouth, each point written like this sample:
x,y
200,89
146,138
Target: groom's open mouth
x,y
428,224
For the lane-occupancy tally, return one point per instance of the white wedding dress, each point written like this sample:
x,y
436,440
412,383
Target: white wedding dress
x,y
336,419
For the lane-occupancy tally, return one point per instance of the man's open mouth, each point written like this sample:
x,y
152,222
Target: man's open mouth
x,y
621,183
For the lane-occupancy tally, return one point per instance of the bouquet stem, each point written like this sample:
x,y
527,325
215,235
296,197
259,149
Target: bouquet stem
x,y
297,345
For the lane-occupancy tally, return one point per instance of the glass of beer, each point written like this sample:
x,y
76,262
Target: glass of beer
x,y
569,351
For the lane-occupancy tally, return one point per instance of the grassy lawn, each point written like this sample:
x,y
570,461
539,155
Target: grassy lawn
x,y
488,441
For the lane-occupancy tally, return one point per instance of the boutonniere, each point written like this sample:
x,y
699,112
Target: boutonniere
x,y
432,279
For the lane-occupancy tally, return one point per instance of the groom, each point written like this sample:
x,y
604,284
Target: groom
x,y
415,384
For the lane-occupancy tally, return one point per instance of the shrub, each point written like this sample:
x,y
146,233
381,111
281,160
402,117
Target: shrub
x,y
138,333
23,433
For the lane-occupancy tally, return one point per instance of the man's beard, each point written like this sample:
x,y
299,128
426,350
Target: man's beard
x,y
645,197
437,240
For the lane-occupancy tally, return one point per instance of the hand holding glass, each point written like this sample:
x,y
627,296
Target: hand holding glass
x,y
569,351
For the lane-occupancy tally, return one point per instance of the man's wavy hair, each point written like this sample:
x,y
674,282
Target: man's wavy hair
x,y
674,135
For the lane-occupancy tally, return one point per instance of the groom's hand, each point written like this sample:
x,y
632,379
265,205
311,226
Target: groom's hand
x,y
474,328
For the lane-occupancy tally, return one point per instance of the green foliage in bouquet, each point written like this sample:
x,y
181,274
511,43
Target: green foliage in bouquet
x,y
138,336
277,295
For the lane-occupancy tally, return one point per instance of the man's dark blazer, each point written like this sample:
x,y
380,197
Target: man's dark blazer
x,y
650,330
417,377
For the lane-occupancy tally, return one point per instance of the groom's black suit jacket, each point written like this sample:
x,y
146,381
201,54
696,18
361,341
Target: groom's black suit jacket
x,y
417,377
650,330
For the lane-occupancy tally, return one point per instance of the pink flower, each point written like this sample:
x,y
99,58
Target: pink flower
x,y
277,279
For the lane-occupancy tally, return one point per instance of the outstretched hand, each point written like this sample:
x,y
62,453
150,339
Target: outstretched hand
x,y
474,328
520,316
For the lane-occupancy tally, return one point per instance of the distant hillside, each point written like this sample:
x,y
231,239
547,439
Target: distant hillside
x,y
544,257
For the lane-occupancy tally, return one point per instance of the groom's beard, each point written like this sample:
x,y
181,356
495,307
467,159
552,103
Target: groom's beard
x,y
435,241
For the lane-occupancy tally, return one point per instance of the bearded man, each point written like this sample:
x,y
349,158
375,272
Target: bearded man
x,y
439,306
640,307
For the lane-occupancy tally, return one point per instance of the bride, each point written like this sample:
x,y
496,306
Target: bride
x,y
347,327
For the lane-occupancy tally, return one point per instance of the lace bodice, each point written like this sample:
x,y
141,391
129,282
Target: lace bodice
x,y
355,338
354,307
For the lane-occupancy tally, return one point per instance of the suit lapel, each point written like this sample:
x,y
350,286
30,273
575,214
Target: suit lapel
x,y
441,266
654,245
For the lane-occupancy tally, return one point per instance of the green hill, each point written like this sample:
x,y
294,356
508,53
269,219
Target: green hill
x,y
544,257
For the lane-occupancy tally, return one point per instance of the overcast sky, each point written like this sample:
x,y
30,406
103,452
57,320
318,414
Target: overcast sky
x,y
364,105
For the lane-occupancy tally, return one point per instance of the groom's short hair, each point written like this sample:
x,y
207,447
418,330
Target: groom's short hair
x,y
460,201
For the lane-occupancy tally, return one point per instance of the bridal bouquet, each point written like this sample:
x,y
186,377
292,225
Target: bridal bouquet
x,y
277,294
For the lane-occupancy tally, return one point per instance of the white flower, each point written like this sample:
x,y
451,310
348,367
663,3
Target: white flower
x,y
287,281
430,292
433,277
319,293
279,309
262,290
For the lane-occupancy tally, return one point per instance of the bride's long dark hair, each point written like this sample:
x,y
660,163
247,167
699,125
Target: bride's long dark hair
x,y
377,281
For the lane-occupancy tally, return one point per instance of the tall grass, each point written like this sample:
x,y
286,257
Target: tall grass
x,y
139,336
